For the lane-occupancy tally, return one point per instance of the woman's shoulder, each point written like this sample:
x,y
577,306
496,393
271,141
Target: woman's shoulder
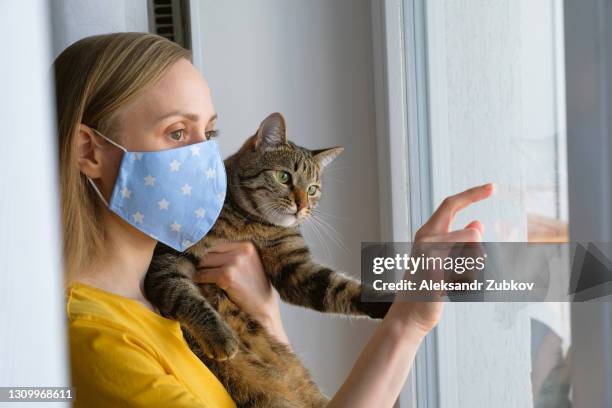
x,y
85,302
88,305
128,347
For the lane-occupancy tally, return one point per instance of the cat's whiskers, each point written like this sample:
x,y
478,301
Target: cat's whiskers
x,y
273,209
326,214
331,233
265,205
319,235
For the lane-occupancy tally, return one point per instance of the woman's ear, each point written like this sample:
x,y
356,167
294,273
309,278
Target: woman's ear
x,y
89,150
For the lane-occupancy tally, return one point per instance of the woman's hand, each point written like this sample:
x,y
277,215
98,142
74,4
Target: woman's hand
x,y
236,268
383,366
424,315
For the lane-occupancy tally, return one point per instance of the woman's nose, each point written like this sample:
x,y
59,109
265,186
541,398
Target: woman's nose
x,y
200,137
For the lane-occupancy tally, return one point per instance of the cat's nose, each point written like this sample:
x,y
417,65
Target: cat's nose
x,y
301,199
301,213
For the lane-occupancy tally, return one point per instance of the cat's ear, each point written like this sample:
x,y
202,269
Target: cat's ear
x,y
272,132
325,156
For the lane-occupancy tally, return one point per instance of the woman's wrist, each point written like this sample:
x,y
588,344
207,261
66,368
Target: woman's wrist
x,y
401,330
402,320
270,319
275,327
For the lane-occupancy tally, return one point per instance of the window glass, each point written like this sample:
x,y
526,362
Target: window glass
x,y
496,103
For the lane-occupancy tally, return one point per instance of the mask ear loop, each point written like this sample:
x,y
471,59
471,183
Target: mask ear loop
x,y
95,187
110,141
97,190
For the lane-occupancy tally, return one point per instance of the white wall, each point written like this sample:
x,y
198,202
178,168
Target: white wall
x,y
75,19
32,338
312,61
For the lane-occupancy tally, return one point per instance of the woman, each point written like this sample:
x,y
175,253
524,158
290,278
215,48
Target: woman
x,y
139,92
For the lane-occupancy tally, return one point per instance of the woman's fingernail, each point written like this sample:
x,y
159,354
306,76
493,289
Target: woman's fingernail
x,y
489,186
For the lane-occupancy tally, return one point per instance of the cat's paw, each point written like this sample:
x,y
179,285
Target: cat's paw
x,y
219,343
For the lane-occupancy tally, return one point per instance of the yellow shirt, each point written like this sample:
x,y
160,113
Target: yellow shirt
x,y
125,355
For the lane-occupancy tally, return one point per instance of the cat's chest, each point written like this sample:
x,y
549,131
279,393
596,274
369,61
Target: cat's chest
x,y
233,227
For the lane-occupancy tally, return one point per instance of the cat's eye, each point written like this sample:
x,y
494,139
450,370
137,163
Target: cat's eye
x,y
312,190
177,135
283,177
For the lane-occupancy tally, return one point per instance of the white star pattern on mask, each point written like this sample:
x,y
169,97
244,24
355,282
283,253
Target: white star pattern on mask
x,y
172,195
163,204
149,180
175,165
186,189
126,193
138,217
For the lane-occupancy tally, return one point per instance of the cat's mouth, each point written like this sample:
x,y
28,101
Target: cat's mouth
x,y
284,220
288,218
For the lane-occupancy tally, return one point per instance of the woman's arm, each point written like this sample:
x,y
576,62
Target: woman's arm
x,y
383,366
236,268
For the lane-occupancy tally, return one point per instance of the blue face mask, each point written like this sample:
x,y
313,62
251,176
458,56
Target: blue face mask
x,y
174,195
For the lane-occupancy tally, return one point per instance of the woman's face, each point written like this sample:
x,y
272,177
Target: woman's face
x,y
176,111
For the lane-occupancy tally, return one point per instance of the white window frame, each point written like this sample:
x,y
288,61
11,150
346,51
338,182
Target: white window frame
x,y
401,71
402,127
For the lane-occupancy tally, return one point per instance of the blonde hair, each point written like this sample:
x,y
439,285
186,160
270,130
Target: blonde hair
x,y
94,78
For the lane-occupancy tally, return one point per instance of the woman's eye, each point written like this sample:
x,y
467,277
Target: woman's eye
x,y
177,135
283,177
312,190
211,133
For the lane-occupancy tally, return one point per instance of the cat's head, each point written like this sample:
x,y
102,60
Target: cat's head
x,y
276,180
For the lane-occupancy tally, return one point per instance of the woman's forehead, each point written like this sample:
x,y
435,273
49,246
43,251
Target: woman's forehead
x,y
182,90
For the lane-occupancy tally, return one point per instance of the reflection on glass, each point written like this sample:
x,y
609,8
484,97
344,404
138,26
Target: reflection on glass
x,y
496,105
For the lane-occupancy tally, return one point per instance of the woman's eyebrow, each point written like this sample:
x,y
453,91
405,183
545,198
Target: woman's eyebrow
x,y
213,118
190,116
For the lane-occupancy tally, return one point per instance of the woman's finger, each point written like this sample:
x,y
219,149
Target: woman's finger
x,y
216,259
477,225
225,247
211,275
440,221
217,276
463,235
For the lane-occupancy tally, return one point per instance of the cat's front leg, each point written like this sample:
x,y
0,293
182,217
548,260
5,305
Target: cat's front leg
x,y
303,282
168,285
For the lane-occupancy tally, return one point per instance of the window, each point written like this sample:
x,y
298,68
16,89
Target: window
x,y
496,107
476,92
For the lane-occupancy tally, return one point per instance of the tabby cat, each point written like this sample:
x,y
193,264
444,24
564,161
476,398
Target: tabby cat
x,y
273,186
